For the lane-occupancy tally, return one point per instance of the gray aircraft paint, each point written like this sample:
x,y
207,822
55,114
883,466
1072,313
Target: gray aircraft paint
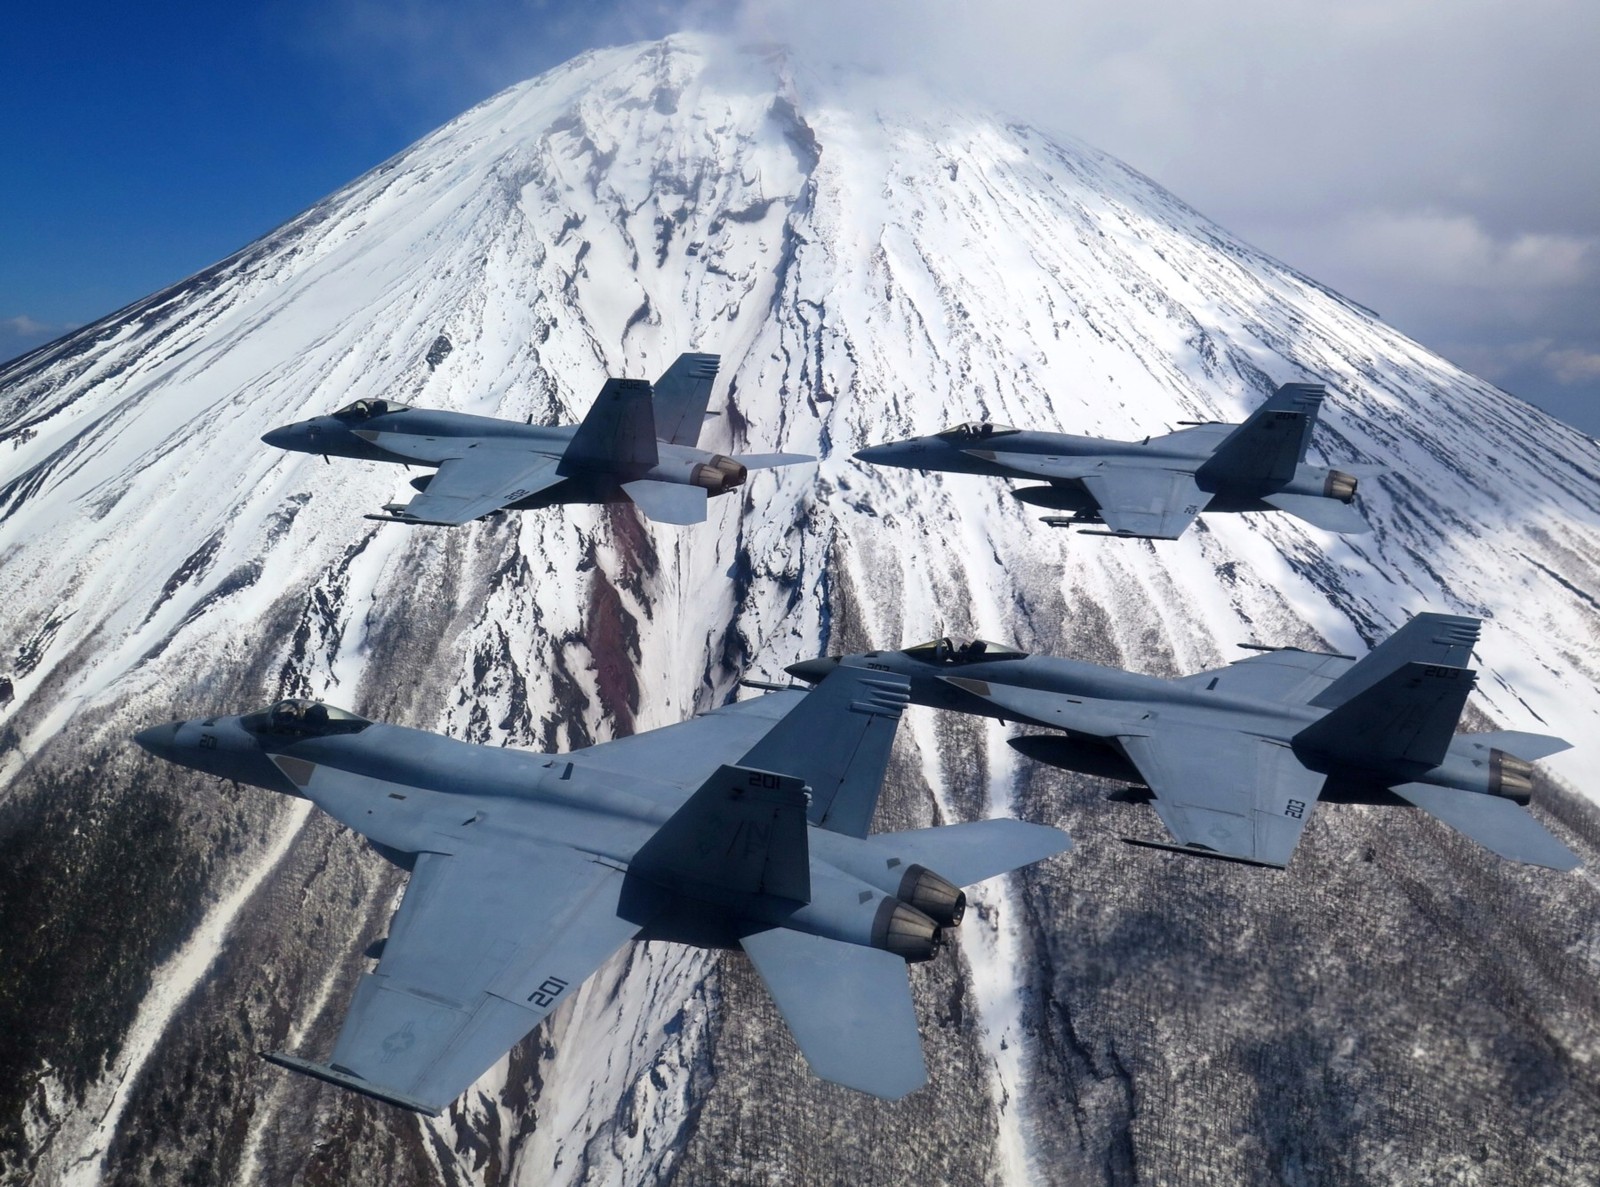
x,y
1235,759
637,443
744,828
1155,488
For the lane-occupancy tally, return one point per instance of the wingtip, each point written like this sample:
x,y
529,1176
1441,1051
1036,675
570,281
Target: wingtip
x,y
1201,851
341,1078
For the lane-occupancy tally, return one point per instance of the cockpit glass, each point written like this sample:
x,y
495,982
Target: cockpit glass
x,y
295,718
945,651
367,409
974,431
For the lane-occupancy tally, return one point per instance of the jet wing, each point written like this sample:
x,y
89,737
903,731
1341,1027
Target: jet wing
x,y
483,479
481,949
1145,501
1286,674
1226,794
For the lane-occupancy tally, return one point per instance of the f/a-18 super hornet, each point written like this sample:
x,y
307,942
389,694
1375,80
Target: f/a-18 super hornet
x,y
1235,759
1154,488
637,442
744,828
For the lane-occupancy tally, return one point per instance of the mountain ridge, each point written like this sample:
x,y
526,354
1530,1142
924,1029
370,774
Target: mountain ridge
x,y
865,273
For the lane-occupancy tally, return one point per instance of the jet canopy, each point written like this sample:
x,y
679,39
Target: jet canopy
x,y
295,718
974,431
367,409
943,651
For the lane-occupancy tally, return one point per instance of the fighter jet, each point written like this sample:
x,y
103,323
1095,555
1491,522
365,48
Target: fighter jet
x,y
744,828
1235,759
637,442
1153,489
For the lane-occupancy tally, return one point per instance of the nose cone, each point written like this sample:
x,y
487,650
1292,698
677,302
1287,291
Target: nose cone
x,y
813,670
892,454
281,438
914,453
160,740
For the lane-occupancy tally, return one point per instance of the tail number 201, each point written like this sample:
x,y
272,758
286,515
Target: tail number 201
x,y
549,989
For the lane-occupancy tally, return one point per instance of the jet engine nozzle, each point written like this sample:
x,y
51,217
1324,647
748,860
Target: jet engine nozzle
x,y
906,931
719,475
1340,486
937,898
713,479
734,473
1510,777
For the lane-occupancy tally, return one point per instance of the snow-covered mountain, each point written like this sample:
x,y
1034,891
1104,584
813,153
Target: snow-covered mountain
x,y
1397,1007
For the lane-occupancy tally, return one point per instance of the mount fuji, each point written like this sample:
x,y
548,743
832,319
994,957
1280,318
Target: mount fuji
x,y
871,262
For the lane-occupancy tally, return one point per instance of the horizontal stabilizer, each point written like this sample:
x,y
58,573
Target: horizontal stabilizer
x,y
971,852
848,1007
768,461
1499,825
743,831
1531,747
1330,515
837,741
1445,639
668,502
681,396
1409,716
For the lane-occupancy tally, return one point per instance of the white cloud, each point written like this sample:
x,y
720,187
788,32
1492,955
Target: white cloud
x,y
1455,249
22,333
1574,366
1436,160
23,326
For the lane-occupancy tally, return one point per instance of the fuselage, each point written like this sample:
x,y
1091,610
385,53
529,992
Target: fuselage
x,y
410,791
968,449
430,437
1114,699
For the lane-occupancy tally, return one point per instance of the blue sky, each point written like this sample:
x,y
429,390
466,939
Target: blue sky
x,y
145,141
1436,160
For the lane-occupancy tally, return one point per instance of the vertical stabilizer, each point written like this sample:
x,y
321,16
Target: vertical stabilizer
x,y
743,831
681,397
1270,445
837,740
1408,716
619,431
1443,639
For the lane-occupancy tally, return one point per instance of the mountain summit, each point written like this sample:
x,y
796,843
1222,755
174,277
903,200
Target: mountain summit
x,y
870,264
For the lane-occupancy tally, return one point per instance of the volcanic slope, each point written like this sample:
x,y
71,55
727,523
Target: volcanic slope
x,y
1397,1007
